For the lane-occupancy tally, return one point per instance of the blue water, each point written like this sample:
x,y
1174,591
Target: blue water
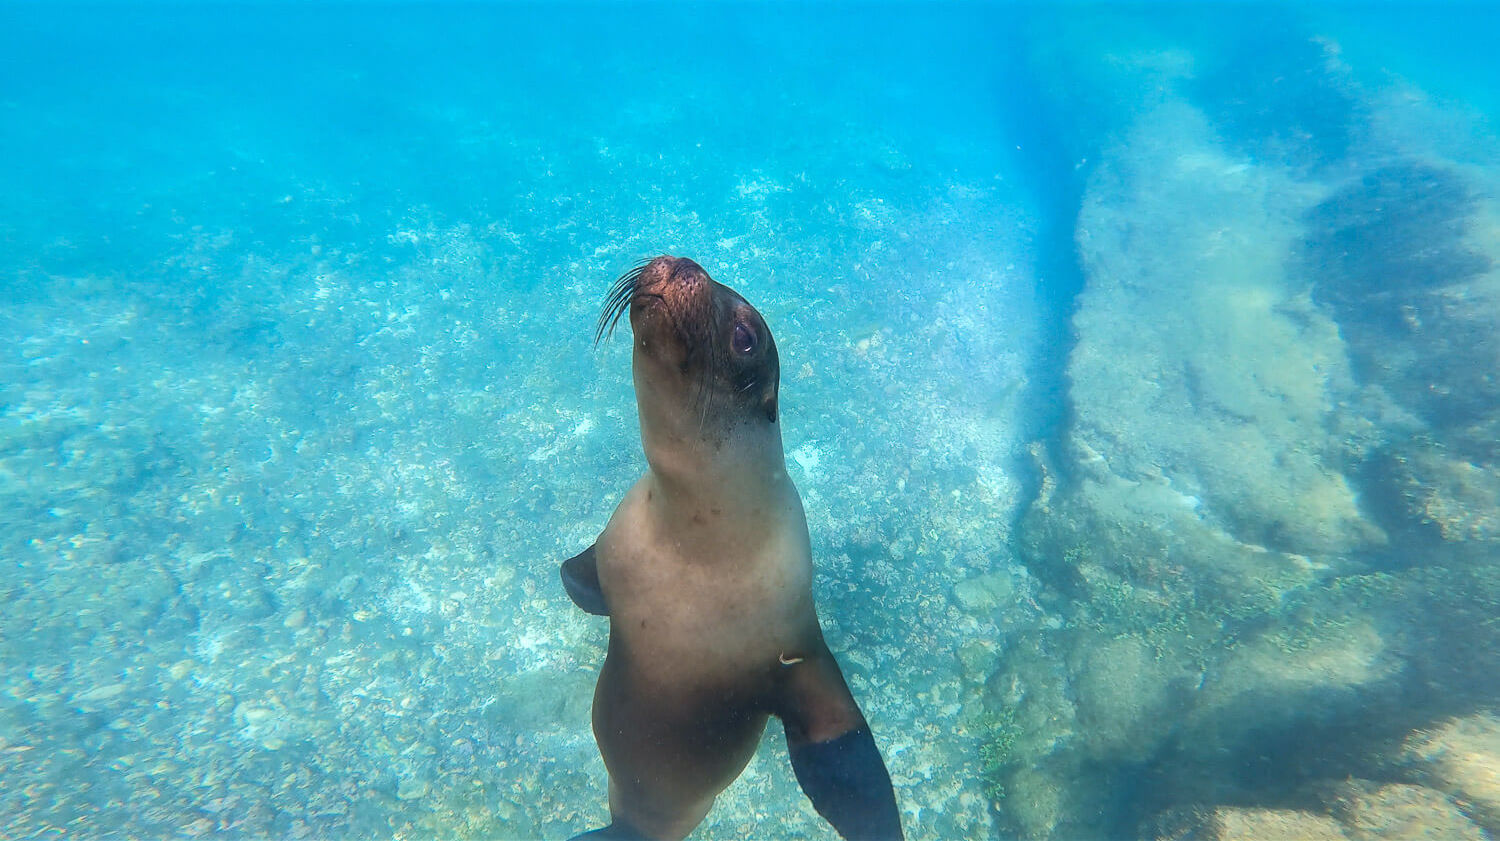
x,y
1139,378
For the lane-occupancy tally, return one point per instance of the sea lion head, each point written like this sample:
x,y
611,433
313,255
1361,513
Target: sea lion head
x,y
701,351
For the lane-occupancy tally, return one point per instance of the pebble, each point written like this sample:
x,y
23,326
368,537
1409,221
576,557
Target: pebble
x,y
101,693
255,715
412,789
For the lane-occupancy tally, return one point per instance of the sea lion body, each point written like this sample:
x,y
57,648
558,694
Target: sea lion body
x,y
705,572
683,695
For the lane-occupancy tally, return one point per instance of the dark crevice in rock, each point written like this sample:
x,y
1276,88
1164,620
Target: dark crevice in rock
x,y
1051,136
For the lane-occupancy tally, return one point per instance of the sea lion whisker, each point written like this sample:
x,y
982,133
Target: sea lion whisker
x,y
703,396
614,308
617,301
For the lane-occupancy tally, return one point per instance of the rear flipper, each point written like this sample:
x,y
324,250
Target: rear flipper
x,y
580,577
846,780
617,831
833,753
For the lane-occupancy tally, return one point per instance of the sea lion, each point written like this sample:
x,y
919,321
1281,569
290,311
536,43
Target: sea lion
x,y
705,573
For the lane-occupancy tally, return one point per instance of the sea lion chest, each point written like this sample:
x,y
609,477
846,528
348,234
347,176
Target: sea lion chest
x,y
704,594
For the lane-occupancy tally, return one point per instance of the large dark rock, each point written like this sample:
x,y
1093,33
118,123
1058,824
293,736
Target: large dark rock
x,y
1269,526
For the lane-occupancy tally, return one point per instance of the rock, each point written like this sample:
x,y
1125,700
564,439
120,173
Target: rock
x,y
1208,491
412,788
1462,759
1200,373
1390,257
1256,824
1227,823
99,693
978,657
985,594
1323,664
1400,811
1454,496
1122,685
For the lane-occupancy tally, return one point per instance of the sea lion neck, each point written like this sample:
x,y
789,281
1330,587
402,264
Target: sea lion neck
x,y
733,466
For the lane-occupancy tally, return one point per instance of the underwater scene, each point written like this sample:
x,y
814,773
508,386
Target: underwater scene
x,y
1139,375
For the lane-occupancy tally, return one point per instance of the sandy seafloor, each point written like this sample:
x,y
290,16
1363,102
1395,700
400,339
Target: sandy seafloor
x,y
1138,378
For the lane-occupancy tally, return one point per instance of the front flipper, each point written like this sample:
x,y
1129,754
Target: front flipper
x,y
580,577
833,752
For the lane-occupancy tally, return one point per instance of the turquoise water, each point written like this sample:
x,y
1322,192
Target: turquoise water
x,y
1139,378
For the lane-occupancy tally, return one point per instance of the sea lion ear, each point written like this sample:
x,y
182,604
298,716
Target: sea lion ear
x,y
770,404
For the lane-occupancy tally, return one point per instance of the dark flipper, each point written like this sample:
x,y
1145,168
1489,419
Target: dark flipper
x,y
833,753
846,780
580,577
617,831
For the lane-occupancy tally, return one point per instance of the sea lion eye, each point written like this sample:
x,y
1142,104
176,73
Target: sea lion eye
x,y
744,338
